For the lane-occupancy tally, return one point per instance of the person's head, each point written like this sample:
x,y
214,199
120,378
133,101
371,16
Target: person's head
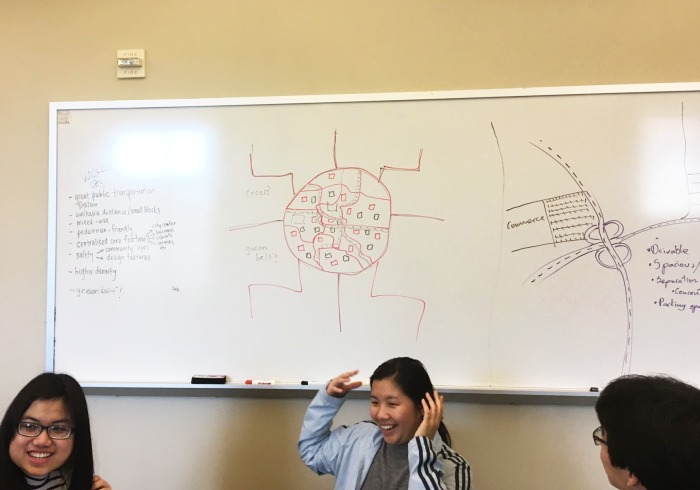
x,y
49,400
397,388
650,433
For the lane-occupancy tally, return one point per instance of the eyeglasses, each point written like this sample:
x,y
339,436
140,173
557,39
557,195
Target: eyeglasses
x,y
598,435
31,429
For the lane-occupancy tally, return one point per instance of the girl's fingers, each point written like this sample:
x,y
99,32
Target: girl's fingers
x,y
346,377
431,401
432,407
343,383
100,484
439,400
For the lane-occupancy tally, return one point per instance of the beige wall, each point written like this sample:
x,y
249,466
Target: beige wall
x,y
65,50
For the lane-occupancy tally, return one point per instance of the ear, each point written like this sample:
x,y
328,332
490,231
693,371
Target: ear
x,y
633,481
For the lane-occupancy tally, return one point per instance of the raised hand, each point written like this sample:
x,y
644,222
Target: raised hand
x,y
341,384
432,415
100,484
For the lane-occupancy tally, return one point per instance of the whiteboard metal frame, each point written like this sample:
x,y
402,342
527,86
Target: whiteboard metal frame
x,y
535,395
485,395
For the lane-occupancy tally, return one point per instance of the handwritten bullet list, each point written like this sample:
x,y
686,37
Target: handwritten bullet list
x,y
110,228
675,270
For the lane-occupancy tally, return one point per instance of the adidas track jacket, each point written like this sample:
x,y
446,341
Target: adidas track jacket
x,y
348,452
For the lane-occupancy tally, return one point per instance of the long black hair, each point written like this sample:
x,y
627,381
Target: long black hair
x,y
412,378
49,386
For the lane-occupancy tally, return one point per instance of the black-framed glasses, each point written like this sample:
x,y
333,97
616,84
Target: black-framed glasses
x,y
598,436
32,429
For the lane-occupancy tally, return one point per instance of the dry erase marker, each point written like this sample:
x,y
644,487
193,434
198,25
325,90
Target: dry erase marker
x,y
259,382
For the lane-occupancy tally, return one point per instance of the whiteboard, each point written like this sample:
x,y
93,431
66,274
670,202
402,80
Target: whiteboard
x,y
541,238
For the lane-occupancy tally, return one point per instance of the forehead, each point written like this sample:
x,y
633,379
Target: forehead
x,y
386,388
48,411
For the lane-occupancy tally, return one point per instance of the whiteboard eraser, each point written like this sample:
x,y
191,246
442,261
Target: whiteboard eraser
x,y
208,379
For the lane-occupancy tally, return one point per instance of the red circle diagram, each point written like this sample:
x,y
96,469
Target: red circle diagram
x,y
339,221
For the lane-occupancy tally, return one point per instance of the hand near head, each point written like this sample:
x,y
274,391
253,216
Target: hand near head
x,y
432,415
99,484
341,384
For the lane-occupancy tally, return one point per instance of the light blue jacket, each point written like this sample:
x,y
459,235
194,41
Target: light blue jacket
x,y
348,452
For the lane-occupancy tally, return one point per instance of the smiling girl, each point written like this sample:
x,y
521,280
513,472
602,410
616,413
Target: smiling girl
x,y
406,446
45,438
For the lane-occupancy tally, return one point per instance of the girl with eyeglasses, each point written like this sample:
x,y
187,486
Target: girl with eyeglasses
x,y
45,437
406,446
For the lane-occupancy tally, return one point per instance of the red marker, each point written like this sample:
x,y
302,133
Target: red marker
x,y
259,382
